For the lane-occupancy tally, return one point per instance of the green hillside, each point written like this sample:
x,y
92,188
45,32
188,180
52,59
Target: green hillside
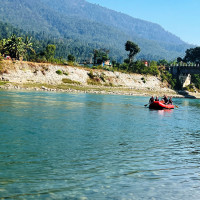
x,y
130,25
79,27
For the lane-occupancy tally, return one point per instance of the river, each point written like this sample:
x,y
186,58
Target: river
x,y
86,146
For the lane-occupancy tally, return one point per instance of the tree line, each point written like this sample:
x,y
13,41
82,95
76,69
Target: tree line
x,y
25,48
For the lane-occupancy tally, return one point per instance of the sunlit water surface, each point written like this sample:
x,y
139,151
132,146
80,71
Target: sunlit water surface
x,y
83,146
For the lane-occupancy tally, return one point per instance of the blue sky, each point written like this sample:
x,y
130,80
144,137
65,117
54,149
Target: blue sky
x,y
180,17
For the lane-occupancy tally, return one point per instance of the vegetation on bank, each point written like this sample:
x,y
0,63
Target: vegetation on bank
x,y
22,48
25,48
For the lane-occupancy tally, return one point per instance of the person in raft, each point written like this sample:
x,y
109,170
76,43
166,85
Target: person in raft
x,y
170,101
165,99
151,100
156,99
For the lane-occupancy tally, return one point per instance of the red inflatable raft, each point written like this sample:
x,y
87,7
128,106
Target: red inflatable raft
x,y
159,105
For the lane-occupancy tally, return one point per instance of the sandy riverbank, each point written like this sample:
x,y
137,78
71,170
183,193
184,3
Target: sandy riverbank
x,y
47,77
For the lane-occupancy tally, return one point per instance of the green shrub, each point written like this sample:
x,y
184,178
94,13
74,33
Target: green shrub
x,y
3,82
66,73
95,81
163,77
59,72
70,63
166,76
153,70
190,88
97,67
71,58
143,80
109,84
1,57
69,81
124,66
91,75
102,77
196,80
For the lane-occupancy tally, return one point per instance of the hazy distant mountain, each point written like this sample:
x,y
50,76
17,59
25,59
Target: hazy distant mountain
x,y
93,26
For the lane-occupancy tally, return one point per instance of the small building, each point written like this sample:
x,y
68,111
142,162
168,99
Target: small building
x,y
8,58
107,63
146,63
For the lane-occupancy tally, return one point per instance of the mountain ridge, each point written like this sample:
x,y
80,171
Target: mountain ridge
x,y
90,23
111,13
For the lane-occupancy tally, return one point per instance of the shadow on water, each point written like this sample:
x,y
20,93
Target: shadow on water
x,y
186,94
190,104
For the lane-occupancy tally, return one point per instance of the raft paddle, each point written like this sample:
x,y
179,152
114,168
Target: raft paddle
x,y
176,106
146,104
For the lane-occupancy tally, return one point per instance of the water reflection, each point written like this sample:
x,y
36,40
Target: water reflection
x,y
165,112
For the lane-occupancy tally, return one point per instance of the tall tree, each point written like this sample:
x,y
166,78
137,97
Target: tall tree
x,y
163,62
192,55
100,55
50,51
71,58
28,45
15,46
132,48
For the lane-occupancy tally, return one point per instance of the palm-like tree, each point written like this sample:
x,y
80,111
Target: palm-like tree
x,y
27,46
16,47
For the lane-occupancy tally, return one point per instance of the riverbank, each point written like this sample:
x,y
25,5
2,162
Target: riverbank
x,y
63,78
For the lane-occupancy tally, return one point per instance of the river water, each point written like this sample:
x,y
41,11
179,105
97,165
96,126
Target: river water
x,y
84,146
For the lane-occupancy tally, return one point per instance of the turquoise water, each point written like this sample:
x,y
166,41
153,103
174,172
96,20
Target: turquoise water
x,y
83,146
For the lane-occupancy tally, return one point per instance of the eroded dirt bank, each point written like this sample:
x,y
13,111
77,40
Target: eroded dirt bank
x,y
40,76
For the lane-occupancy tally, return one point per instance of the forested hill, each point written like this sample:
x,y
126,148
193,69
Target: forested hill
x,y
89,26
133,26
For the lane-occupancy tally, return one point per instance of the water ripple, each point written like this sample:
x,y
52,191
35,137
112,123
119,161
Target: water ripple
x,y
63,146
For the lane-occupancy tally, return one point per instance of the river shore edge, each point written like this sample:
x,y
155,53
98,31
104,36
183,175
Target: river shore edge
x,y
96,90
